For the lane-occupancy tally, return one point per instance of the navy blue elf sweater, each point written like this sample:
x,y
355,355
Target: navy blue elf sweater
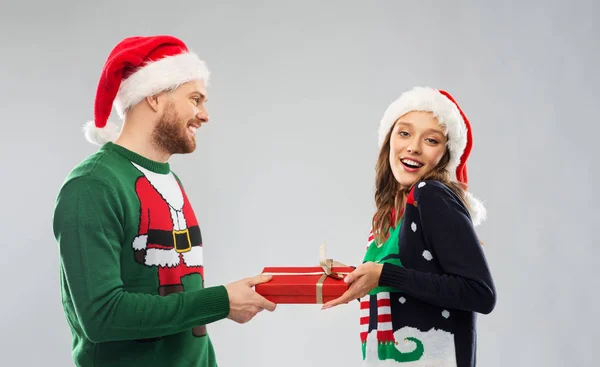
x,y
435,279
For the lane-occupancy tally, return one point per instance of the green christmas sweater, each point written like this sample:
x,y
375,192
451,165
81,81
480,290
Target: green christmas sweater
x,y
131,265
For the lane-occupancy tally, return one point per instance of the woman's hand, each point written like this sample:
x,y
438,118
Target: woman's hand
x,y
362,280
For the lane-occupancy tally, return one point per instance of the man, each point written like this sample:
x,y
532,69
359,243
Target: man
x,y
131,261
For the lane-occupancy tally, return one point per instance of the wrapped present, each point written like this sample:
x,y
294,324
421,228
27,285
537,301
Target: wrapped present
x,y
306,284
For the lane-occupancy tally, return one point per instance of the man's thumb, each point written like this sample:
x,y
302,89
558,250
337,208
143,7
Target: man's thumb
x,y
259,279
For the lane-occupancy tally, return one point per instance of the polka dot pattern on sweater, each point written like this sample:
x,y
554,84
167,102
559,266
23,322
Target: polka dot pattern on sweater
x,y
427,255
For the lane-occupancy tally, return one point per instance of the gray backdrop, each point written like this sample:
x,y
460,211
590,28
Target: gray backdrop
x,y
287,160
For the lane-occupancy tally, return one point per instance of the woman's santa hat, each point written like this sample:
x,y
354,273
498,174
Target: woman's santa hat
x,y
136,68
456,126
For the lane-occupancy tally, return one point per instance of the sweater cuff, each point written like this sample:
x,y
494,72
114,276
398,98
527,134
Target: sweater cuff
x,y
393,276
214,301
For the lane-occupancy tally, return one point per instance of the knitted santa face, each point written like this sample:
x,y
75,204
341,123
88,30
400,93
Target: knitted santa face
x,y
140,67
440,117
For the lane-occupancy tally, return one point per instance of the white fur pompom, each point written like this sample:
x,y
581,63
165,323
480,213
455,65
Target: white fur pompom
x,y
100,136
478,210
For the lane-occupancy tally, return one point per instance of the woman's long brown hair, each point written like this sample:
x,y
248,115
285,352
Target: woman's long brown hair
x,y
391,198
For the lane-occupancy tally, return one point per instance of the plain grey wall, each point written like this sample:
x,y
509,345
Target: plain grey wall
x,y
287,160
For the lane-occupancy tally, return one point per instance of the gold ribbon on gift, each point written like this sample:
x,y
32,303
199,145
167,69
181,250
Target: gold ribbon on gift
x,y
327,265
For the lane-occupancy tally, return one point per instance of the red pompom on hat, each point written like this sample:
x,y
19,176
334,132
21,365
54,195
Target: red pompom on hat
x,y
457,128
136,68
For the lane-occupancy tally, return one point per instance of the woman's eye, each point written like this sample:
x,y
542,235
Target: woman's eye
x,y
403,133
432,141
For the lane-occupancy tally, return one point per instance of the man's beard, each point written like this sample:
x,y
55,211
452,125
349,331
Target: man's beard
x,y
171,135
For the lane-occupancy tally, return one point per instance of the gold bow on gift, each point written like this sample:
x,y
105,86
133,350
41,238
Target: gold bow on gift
x,y
327,265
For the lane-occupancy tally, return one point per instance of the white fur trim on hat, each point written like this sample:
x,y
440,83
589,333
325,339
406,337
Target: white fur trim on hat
x,y
446,112
100,136
154,77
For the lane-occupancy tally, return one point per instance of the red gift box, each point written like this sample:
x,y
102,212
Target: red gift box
x,y
304,285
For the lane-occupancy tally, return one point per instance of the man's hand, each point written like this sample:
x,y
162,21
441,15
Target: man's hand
x,y
244,302
362,280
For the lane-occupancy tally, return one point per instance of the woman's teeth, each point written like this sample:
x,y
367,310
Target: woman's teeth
x,y
411,163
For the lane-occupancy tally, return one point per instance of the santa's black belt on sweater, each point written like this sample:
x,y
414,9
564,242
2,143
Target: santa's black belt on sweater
x,y
181,240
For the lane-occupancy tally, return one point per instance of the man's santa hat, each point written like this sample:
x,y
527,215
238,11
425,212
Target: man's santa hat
x,y
136,68
456,126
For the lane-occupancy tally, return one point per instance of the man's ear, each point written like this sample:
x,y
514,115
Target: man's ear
x,y
153,102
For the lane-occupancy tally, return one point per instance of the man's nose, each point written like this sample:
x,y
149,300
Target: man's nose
x,y
202,115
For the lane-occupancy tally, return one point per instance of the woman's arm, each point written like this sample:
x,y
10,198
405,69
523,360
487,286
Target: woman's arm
x,y
445,224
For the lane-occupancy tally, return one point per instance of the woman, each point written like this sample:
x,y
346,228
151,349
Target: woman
x,y
424,275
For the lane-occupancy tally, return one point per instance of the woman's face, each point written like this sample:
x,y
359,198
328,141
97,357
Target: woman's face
x,y
417,144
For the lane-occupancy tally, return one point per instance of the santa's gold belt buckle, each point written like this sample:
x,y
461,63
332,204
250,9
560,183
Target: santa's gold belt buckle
x,y
177,233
